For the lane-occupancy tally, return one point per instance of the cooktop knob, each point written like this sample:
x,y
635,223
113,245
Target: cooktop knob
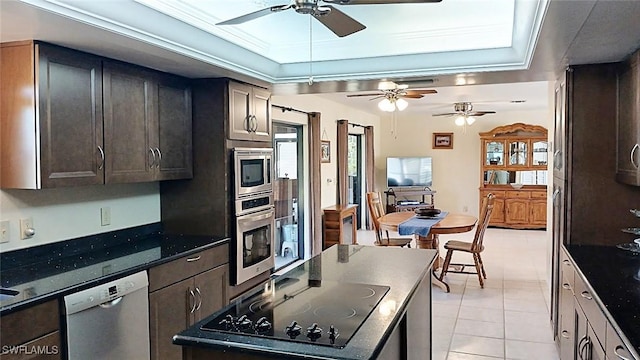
x,y
262,325
228,322
333,334
293,330
243,322
314,332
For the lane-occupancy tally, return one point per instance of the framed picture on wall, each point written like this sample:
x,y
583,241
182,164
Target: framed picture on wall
x,y
325,151
443,140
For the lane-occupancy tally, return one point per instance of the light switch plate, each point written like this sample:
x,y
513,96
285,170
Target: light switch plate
x,y
4,231
26,226
105,216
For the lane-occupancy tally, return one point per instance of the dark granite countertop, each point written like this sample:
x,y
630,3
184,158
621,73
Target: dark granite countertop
x,y
614,276
52,270
400,269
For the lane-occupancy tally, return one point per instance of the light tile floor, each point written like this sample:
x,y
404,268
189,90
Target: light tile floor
x,y
509,318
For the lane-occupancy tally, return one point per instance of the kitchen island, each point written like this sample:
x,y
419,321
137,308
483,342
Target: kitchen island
x,y
349,302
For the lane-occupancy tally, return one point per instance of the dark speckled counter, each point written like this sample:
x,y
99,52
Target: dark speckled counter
x,y
400,269
614,276
52,270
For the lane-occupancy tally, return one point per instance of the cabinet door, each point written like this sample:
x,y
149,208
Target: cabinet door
x,y
516,211
170,311
628,156
538,212
173,145
566,328
128,119
211,288
261,114
498,213
560,128
616,349
240,109
70,117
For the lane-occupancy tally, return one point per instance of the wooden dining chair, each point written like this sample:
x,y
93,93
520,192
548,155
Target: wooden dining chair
x,y
475,247
376,209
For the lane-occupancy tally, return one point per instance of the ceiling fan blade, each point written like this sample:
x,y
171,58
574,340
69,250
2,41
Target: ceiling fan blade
x,y
373,2
445,114
412,96
340,23
420,92
255,15
369,94
480,113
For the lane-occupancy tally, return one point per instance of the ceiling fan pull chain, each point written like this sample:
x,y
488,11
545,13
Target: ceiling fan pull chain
x,y
310,50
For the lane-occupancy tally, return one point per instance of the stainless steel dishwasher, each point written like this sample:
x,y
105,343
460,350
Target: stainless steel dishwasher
x,y
110,321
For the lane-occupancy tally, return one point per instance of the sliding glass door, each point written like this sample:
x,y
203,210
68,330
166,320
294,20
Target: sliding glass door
x,y
287,193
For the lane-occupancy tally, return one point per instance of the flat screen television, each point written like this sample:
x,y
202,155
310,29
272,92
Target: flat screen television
x,y
409,172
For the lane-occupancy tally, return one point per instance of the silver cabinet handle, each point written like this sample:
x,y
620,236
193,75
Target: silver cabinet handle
x,y
633,151
555,195
101,166
566,286
556,163
255,123
193,296
565,334
193,259
566,262
153,161
620,356
159,158
199,298
248,123
586,295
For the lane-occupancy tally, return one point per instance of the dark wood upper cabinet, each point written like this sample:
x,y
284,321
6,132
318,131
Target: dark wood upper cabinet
x,y
51,111
249,112
628,157
71,118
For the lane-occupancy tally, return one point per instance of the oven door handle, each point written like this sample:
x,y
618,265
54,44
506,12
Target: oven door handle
x,y
263,215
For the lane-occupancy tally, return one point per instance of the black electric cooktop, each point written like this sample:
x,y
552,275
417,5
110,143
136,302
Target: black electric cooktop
x,y
321,312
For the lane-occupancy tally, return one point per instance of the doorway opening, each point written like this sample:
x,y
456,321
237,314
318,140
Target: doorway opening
x,y
354,172
288,173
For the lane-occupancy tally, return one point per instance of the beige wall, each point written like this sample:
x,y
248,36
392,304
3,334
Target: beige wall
x,y
66,213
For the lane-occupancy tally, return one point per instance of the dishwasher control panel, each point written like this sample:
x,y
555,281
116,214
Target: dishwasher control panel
x,y
104,293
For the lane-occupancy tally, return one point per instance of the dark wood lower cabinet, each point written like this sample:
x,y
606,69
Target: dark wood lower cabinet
x,y
32,333
176,307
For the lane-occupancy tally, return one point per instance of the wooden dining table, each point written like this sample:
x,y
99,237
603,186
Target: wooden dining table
x,y
452,223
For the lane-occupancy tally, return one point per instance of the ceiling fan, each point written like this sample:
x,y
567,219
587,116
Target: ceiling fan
x,y
464,113
337,21
393,95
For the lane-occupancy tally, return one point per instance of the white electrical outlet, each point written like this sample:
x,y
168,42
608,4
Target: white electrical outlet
x,y
105,216
4,231
27,230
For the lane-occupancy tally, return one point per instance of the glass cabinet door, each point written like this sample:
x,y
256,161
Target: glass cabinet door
x,y
518,153
494,153
540,153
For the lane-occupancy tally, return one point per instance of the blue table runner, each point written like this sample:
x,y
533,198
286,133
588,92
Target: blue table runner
x,y
419,226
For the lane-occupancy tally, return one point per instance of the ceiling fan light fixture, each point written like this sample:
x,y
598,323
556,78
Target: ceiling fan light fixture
x,y
386,105
470,120
401,104
460,120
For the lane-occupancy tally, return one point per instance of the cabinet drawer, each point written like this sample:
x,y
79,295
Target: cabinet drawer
x,y
187,266
49,345
594,315
517,194
566,269
31,323
538,194
616,349
498,194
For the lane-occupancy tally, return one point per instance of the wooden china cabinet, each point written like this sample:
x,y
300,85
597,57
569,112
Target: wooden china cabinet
x,y
514,168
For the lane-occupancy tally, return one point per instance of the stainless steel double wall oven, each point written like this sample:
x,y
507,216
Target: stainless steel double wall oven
x,y
254,212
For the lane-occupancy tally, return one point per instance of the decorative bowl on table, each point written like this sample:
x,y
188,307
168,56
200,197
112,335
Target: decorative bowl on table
x,y
427,212
516,186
